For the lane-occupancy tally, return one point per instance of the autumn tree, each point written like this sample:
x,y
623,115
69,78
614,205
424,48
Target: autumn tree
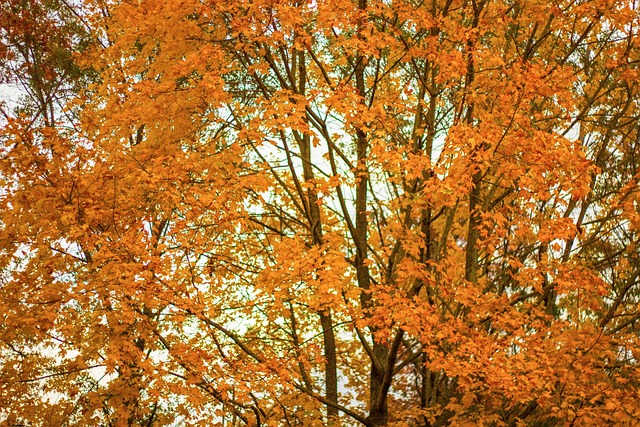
x,y
370,212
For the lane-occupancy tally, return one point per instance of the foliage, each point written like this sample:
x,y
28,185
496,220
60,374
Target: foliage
x,y
371,212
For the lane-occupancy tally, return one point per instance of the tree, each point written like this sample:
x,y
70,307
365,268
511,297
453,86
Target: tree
x,y
322,213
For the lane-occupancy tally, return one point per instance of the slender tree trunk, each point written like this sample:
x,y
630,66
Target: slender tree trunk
x,y
471,260
326,321
378,410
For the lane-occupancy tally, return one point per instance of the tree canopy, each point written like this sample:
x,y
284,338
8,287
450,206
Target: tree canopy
x,y
333,212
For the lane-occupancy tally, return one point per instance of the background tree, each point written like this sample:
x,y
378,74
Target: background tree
x,y
288,213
